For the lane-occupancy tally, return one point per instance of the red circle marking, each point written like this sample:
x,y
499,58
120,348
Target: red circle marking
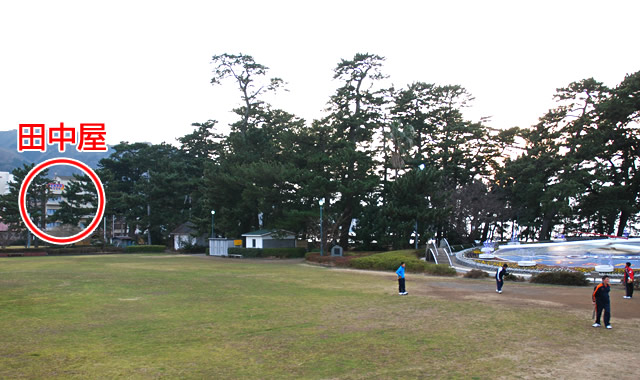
x,y
23,199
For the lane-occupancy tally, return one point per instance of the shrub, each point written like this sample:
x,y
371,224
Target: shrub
x,y
192,248
514,278
439,269
561,278
71,250
338,261
284,253
391,261
476,273
79,250
246,252
334,261
145,248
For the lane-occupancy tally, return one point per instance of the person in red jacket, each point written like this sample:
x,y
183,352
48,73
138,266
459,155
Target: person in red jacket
x,y
628,281
601,301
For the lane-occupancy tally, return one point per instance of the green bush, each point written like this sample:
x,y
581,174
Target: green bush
x,y
145,248
391,261
284,253
62,251
560,278
246,252
192,248
476,273
78,250
439,269
514,278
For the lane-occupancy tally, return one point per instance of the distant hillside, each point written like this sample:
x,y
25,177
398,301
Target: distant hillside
x,y
10,158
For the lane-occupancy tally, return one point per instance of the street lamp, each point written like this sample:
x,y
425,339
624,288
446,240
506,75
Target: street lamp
x,y
421,167
321,203
212,214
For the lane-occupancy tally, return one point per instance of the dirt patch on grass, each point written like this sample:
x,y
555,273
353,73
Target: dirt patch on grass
x,y
578,363
569,298
599,363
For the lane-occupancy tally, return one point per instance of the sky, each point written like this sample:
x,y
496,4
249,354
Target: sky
x,y
144,67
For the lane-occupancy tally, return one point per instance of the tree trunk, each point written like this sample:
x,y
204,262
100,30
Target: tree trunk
x,y
624,218
610,223
547,225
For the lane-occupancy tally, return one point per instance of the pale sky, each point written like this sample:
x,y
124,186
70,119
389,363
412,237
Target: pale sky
x,y
144,67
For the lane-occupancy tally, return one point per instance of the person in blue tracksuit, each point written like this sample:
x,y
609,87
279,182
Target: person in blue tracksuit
x,y
602,302
400,272
500,277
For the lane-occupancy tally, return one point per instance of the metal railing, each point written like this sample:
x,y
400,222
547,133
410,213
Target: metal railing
x,y
444,244
435,251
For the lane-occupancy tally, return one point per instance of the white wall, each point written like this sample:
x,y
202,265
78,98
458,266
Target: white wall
x,y
181,240
258,240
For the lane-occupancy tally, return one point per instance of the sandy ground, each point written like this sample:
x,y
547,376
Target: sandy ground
x,y
570,298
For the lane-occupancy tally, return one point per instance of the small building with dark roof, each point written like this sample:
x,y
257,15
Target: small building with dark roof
x,y
187,234
270,239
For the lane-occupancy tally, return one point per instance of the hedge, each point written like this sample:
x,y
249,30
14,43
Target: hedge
x,y
83,250
145,248
391,261
192,248
282,253
246,252
560,278
60,251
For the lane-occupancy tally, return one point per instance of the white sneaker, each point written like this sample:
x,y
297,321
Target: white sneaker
x,y
595,325
497,291
609,327
627,297
400,294
500,292
405,293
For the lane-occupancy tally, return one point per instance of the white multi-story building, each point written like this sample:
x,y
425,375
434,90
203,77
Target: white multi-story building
x,y
54,203
5,178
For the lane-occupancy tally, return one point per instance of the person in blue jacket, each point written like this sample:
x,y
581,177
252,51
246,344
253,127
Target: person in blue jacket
x,y
400,272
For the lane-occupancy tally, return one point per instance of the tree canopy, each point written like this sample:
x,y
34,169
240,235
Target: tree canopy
x,y
393,165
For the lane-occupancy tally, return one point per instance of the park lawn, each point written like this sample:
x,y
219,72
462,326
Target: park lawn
x,y
154,316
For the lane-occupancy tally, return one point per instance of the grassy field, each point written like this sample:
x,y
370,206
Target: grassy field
x,y
157,316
